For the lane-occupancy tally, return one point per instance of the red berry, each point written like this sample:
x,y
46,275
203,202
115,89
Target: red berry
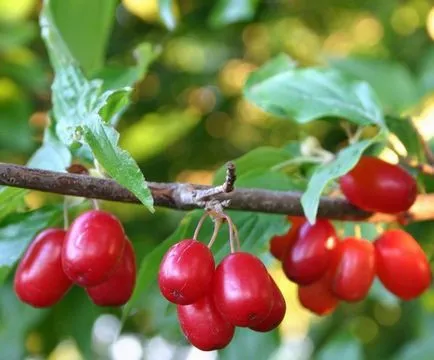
x,y
308,258
277,313
280,244
204,326
353,270
375,185
93,248
402,266
117,290
39,279
186,272
317,297
243,292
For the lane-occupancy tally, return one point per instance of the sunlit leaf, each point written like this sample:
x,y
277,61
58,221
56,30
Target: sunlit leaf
x,y
167,15
311,93
345,160
230,11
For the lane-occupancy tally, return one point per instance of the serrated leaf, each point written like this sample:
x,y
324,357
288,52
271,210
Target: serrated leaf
x,y
18,230
407,133
85,25
84,112
167,15
226,12
103,140
311,93
380,74
345,160
248,344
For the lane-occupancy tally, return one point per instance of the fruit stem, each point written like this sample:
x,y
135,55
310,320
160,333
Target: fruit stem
x,y
199,226
233,235
95,204
65,214
217,224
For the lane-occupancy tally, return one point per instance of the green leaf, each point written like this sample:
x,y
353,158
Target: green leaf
x,y
53,154
11,199
407,133
85,27
15,35
426,72
84,111
350,349
380,74
308,94
103,140
345,160
18,230
226,12
166,13
248,344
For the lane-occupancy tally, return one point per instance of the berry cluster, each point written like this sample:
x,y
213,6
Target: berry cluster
x,y
212,301
93,253
328,270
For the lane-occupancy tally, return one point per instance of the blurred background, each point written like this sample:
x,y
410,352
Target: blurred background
x,y
188,117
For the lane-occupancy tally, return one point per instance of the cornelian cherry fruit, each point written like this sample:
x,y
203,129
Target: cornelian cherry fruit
x,y
277,313
203,326
402,265
93,248
186,272
375,185
117,290
309,257
280,244
353,269
243,291
39,279
318,297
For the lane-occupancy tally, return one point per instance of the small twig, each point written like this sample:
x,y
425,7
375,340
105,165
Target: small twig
x,y
227,187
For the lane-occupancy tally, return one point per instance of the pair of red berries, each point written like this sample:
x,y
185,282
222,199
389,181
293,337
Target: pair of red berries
x,y
212,301
94,253
328,270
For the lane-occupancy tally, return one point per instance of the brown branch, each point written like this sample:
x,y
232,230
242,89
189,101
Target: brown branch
x,y
183,196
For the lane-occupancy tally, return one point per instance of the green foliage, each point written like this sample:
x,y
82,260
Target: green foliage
x,y
166,13
226,12
307,94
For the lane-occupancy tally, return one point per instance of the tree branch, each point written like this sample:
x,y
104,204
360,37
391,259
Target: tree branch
x,y
183,196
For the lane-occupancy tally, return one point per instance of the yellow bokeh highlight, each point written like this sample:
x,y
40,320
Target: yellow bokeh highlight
x,y
367,31
297,319
33,343
387,315
9,91
66,350
195,176
233,76
424,122
16,10
405,20
364,328
146,10
430,23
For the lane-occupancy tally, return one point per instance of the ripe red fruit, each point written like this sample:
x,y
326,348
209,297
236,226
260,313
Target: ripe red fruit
x,y
375,185
402,266
308,258
93,247
204,326
117,290
39,279
186,272
317,297
276,314
353,269
280,244
243,292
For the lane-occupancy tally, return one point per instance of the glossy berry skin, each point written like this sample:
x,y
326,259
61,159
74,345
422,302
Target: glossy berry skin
x,y
375,185
318,297
280,244
309,257
277,313
186,272
203,326
39,279
118,288
243,291
353,269
93,248
402,265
